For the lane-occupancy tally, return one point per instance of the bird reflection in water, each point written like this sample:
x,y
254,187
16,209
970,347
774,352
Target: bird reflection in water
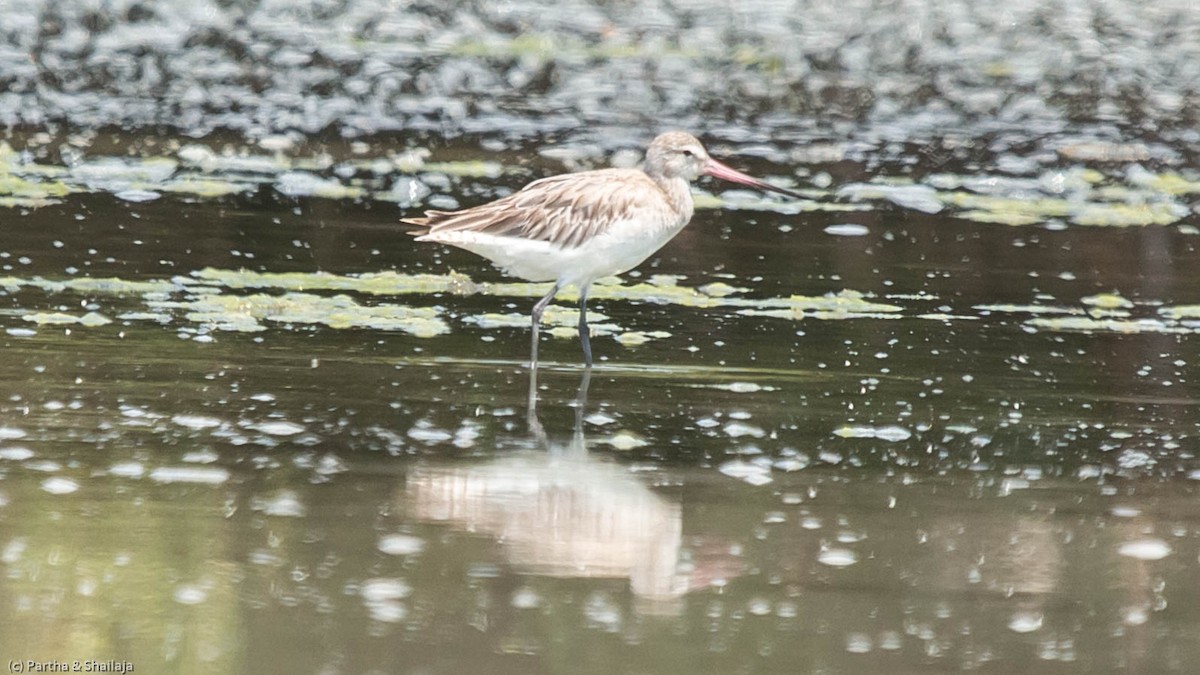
x,y
558,511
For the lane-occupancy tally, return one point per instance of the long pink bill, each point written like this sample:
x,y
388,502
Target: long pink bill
x,y
718,170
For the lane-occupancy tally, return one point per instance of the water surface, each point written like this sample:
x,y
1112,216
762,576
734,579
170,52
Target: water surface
x,y
939,416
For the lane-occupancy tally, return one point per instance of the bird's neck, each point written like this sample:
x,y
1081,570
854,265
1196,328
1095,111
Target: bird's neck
x,y
679,195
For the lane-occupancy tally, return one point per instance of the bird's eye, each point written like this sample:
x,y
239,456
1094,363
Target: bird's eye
x,y
688,153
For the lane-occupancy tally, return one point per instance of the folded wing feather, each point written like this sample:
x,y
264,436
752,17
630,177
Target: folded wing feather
x,y
566,210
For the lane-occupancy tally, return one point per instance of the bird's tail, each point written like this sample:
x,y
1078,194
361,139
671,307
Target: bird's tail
x,y
420,225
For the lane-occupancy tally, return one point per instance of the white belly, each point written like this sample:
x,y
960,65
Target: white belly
x,y
619,249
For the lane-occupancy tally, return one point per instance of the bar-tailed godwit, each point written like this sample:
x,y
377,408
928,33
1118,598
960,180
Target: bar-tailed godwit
x,y
578,227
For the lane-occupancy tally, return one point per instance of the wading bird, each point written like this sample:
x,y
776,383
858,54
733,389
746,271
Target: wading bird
x,y
578,227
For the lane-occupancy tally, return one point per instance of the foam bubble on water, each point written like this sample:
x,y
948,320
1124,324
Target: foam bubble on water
x,y
278,428
387,611
837,557
796,463
743,387
201,456
602,612
739,429
1145,549
1133,458
759,606
401,544
749,472
59,485
196,422
286,504
526,598
46,465
887,433
380,589
330,464
1025,622
134,195
830,457
13,551
599,419
847,230
893,433
429,434
16,453
11,433
190,594
210,475
890,640
625,441
859,643
1135,615
127,469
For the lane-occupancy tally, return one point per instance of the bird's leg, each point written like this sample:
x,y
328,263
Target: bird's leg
x,y
531,415
581,394
585,333
578,447
538,309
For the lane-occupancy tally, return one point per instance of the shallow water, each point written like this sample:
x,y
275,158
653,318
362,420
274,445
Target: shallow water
x,y
233,442
940,416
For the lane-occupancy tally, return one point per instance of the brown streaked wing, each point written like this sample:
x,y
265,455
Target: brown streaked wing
x,y
566,210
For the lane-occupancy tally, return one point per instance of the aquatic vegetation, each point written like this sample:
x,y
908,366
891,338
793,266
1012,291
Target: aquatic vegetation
x,y
1103,313
375,283
1181,312
30,189
887,433
844,305
1028,309
1077,195
637,337
215,299
90,285
1094,325
112,174
208,161
246,312
208,188
1167,182
465,169
304,184
1106,301
62,318
557,321
910,196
